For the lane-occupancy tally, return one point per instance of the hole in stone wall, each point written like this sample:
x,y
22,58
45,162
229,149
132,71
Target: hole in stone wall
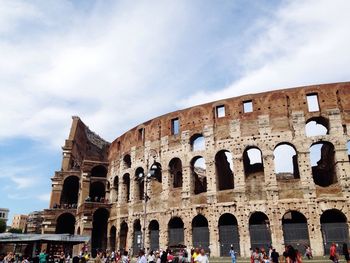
x,y
323,163
199,177
126,186
317,126
115,188
70,190
175,169
112,237
286,161
312,102
252,161
140,189
224,170
197,142
123,235
65,224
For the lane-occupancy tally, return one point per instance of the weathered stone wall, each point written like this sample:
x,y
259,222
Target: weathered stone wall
x,y
277,117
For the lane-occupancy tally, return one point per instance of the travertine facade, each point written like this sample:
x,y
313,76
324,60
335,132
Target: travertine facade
x,y
227,192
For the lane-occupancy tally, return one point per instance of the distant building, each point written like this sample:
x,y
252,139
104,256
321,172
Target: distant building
x,y
34,222
19,222
4,212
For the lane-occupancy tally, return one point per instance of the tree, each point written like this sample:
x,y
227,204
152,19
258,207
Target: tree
x,y
15,230
2,226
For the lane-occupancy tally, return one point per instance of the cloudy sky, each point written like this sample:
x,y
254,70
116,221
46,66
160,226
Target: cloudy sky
x,y
118,63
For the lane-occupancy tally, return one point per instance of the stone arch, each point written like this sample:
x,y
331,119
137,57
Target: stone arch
x,y
175,231
317,126
199,177
115,189
322,157
97,191
253,161
140,189
137,238
175,170
259,229
200,232
295,230
123,235
153,228
127,161
99,230
99,171
224,170
70,190
228,234
65,224
112,238
334,228
197,142
286,161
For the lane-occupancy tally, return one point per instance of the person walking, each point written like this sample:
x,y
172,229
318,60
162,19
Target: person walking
x,y
333,253
232,254
43,256
202,257
274,256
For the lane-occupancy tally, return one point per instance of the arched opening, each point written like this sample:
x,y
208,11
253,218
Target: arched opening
x,y
127,161
126,187
334,228
123,235
228,234
137,240
295,231
154,235
158,172
65,224
175,170
112,238
175,231
99,230
70,191
197,142
200,232
323,163
224,170
199,177
97,191
259,229
115,189
317,126
252,162
99,171
140,189
286,161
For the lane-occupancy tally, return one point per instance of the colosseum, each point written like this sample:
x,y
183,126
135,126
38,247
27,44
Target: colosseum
x,y
256,170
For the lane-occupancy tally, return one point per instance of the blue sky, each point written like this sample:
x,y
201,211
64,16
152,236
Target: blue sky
x,y
118,63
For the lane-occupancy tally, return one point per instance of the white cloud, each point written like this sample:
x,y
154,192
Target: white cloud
x,y
305,43
44,197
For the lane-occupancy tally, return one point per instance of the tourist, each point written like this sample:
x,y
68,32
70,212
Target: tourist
x,y
333,253
232,254
256,256
274,256
163,256
170,256
195,254
202,257
346,253
298,257
43,256
141,258
125,258
98,257
62,257
158,257
151,258
308,252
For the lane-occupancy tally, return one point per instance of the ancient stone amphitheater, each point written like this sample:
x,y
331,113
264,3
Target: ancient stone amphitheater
x,y
255,170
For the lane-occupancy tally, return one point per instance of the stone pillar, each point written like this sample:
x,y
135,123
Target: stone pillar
x,y
186,185
188,234
244,236
163,232
315,232
307,182
270,176
166,180
214,240
211,179
84,188
277,237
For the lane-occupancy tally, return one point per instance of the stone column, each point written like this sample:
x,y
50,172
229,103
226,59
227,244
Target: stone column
x,y
270,176
211,179
244,236
165,184
214,240
186,185
277,237
307,182
315,232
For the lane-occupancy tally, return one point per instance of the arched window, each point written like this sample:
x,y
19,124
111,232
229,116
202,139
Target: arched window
x,y
154,234
137,240
127,161
65,224
175,170
97,191
323,163
286,161
123,234
252,161
99,171
224,170
228,234
99,229
175,231
140,190
126,187
317,126
70,190
200,232
197,142
115,192
112,237
259,229
199,177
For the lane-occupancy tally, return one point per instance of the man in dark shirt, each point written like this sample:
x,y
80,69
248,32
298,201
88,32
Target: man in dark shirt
x,y
274,256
